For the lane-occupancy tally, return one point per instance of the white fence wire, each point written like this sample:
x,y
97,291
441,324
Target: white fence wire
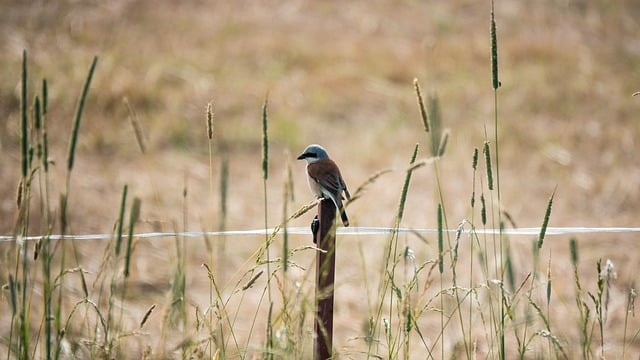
x,y
350,231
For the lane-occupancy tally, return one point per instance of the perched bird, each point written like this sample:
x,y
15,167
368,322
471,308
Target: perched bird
x,y
325,180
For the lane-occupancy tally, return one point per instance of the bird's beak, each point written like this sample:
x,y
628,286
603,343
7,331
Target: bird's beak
x,y
301,157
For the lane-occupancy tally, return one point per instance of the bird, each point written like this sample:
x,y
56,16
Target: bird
x,y
325,180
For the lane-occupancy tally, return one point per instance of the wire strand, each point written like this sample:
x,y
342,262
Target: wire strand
x,y
350,231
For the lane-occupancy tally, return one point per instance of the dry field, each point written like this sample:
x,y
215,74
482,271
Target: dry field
x,y
339,74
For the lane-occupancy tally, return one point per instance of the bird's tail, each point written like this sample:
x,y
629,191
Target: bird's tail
x,y
337,201
343,214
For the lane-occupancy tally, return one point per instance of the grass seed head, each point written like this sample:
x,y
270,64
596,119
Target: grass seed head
x,y
23,102
265,140
210,121
423,112
45,96
494,52
573,248
483,210
146,315
474,162
487,160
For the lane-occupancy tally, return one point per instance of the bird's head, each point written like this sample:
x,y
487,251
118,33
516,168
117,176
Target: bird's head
x,y
313,153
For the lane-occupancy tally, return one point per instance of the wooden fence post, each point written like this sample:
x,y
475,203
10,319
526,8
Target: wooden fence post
x,y
325,238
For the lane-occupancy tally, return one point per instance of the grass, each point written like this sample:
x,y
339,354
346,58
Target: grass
x,y
403,296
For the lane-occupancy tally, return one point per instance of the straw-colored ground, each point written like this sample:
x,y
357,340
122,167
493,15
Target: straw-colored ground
x,y
339,74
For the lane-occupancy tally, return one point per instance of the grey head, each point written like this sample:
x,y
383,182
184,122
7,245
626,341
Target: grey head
x,y
313,153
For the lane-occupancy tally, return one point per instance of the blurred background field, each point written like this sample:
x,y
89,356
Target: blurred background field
x,y
339,74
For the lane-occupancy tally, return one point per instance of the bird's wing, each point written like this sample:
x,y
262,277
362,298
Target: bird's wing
x,y
327,175
331,183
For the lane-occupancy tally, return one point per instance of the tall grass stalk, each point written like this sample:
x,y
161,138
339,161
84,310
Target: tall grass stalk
x,y
46,208
34,153
222,220
24,117
548,298
545,221
209,123
630,309
387,279
46,295
495,84
472,238
498,243
583,309
120,223
112,267
137,127
223,312
599,304
73,140
536,256
265,177
285,313
441,270
407,308
134,215
34,159
76,122
176,315
221,256
287,196
432,122
22,226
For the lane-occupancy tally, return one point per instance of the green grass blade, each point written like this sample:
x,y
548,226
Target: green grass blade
x,y
123,203
133,218
405,187
78,116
